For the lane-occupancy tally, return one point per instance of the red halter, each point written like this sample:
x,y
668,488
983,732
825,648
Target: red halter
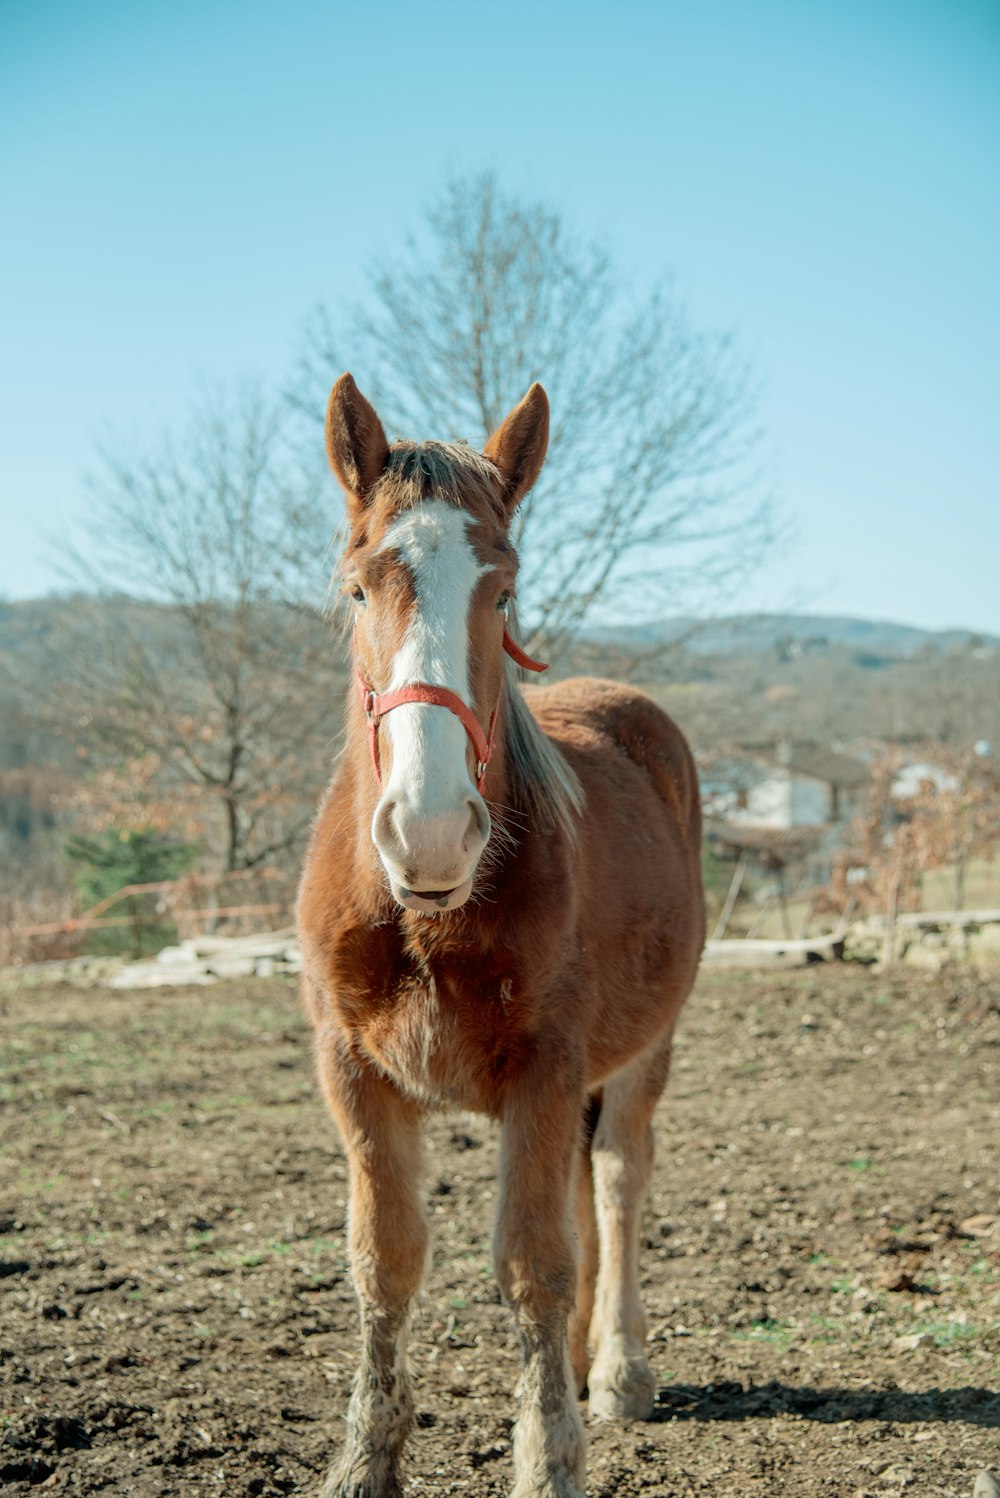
x,y
377,705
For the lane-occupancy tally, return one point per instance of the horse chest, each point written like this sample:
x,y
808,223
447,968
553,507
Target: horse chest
x,y
445,1041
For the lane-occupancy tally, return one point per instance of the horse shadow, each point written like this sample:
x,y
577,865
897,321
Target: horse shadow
x,y
732,1401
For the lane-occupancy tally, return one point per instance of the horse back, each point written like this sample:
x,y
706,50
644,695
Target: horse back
x,y
595,722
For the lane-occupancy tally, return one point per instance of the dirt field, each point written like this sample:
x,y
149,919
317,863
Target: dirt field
x,y
822,1267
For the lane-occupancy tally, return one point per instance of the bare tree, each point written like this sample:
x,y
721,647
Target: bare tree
x,y
955,815
949,819
206,697
652,480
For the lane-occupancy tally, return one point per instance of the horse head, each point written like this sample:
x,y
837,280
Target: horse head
x,y
431,573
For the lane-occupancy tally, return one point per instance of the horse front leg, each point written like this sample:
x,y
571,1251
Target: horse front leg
x,y
533,1248
387,1237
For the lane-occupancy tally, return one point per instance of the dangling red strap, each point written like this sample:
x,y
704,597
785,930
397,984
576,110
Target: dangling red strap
x,y
517,654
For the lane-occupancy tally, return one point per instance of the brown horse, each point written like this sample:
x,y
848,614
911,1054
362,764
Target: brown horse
x,y
501,911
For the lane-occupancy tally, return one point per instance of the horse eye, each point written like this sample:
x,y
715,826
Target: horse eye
x,y
357,593
502,603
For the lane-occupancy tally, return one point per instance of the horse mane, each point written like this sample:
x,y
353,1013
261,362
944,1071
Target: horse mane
x,y
452,471
541,784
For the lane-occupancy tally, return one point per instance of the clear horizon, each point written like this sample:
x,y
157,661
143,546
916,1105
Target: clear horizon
x,y
183,186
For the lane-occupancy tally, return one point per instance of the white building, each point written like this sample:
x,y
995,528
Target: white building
x,y
791,785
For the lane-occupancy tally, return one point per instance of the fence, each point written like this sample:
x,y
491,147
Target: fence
x,y
194,905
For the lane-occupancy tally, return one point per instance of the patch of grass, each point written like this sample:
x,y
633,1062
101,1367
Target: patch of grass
x,y
766,1329
828,1330
952,1333
231,1104
325,1246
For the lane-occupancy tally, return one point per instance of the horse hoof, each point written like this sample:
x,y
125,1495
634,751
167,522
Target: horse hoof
x,y
358,1488
361,1477
623,1391
987,1486
557,1485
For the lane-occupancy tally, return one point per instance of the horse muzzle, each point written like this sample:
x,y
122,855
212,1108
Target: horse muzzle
x,y
431,859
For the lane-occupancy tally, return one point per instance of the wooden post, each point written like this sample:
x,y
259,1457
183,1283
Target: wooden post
x,y
806,918
785,923
889,935
845,916
734,889
761,915
901,852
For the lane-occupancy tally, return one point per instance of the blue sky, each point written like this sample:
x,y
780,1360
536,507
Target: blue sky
x,y
182,183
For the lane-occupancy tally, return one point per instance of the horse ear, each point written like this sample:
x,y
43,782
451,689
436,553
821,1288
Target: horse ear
x,y
355,441
518,445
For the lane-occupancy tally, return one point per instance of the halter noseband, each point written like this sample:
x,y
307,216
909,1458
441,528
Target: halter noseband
x,y
376,706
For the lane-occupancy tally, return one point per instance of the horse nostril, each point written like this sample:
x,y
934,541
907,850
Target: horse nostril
x,y
384,830
479,819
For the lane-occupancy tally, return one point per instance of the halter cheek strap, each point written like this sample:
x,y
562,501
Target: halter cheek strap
x,y
376,705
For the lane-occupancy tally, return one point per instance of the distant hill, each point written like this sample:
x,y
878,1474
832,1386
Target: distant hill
x,y
24,625
796,634
28,625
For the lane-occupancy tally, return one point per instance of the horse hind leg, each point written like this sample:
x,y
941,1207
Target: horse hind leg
x,y
587,1253
621,1381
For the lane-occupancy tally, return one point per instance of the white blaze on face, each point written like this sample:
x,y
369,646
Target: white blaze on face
x,y
429,793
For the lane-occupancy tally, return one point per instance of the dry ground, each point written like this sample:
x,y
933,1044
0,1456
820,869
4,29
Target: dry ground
x,y
822,1266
